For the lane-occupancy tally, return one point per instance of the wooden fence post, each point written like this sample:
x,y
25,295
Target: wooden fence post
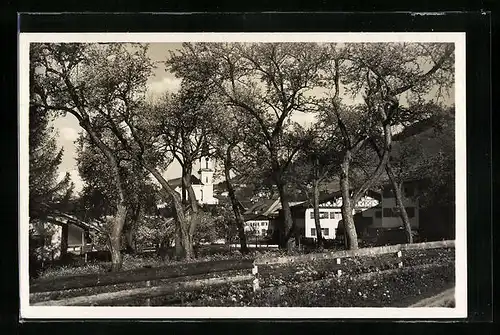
x,y
148,300
400,254
255,272
339,271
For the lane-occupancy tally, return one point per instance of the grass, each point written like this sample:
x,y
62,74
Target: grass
x,y
151,260
390,288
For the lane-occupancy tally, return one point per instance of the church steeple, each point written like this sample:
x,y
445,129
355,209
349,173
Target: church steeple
x,y
206,167
206,170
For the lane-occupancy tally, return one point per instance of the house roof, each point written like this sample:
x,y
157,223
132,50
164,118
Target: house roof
x,y
225,200
332,197
250,217
263,207
60,218
178,181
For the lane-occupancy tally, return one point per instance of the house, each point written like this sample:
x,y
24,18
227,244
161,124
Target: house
x,y
258,225
435,219
330,215
260,218
63,233
263,218
386,216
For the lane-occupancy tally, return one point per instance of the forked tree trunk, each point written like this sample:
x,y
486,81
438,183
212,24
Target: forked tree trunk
x,y
169,194
129,241
240,221
396,186
130,229
121,208
289,236
187,234
351,237
317,222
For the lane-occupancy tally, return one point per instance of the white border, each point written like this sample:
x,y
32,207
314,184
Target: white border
x,y
70,312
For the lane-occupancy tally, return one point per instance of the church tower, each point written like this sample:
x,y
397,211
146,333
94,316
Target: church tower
x,y
206,167
205,172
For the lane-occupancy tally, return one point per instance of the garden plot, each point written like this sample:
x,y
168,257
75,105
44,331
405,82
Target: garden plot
x,y
369,282
371,279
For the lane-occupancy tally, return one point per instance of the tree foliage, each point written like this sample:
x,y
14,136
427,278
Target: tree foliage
x,y
46,190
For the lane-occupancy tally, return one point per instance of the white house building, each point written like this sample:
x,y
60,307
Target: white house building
x,y
258,226
260,216
387,215
329,214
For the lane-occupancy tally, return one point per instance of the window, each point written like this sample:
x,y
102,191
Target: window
x,y
264,231
388,193
313,231
325,231
410,211
206,180
201,195
409,191
378,214
332,215
322,215
88,238
388,212
263,223
206,163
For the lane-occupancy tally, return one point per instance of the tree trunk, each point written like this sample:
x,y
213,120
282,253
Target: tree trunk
x,y
179,249
240,221
121,208
188,233
289,236
396,186
115,237
168,193
384,159
347,217
317,222
129,241
187,243
130,229
64,241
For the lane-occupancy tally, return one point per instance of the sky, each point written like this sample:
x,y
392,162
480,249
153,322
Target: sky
x,y
161,81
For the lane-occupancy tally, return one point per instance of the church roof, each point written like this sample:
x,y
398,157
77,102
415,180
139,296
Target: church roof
x,y
178,181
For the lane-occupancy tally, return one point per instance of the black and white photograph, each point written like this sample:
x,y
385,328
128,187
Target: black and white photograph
x,y
242,175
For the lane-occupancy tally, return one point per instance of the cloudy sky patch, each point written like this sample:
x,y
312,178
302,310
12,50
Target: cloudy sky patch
x,y
69,134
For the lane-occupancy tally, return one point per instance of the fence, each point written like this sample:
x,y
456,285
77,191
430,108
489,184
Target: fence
x,y
182,277
396,249
192,276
